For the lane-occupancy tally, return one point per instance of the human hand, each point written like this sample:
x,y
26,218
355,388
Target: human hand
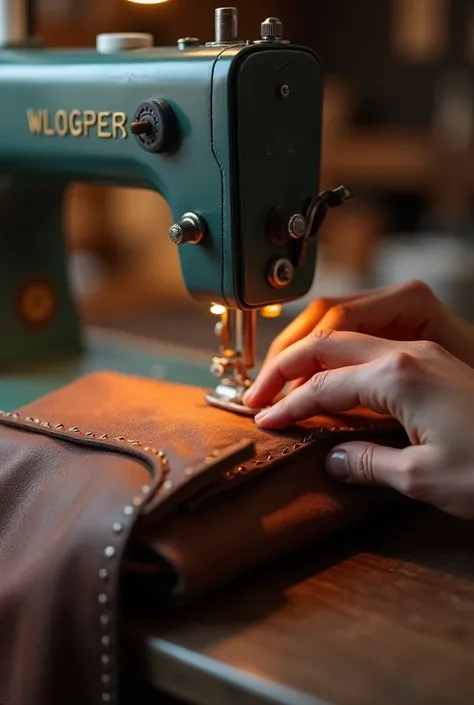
x,y
406,312
428,390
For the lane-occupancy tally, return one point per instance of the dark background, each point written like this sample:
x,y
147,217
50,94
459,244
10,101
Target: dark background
x,y
352,37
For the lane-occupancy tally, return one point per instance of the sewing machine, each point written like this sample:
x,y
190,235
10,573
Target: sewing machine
x,y
227,131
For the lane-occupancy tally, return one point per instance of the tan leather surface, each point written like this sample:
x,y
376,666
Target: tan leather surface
x,y
74,460
293,503
177,420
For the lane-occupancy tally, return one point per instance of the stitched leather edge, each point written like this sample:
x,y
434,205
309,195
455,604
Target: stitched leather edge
x,y
317,435
157,463
261,464
104,442
228,457
112,550
120,531
140,450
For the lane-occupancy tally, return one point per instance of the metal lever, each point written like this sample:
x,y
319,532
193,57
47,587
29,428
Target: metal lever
x,y
316,213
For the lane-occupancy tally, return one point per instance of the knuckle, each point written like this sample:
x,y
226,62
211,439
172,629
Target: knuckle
x,y
341,315
399,363
410,479
319,305
317,309
318,382
420,288
364,465
428,348
398,369
320,335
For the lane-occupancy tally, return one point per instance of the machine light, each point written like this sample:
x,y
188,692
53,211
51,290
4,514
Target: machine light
x,y
147,2
218,309
272,311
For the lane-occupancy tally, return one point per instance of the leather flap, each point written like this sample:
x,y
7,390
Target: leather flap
x,y
196,450
114,467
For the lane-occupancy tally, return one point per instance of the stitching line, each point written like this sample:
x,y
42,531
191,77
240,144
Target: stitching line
x,y
86,434
318,434
164,465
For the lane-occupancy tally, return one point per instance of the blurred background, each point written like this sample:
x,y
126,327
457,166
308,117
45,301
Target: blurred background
x,y
398,128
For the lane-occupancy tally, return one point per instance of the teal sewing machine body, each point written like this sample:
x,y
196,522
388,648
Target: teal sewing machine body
x,y
228,133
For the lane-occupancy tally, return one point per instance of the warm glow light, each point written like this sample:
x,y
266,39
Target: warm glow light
x,y
218,309
272,311
147,2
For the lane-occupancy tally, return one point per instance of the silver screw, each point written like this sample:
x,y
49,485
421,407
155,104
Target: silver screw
x,y
297,226
217,369
190,229
188,43
271,29
281,273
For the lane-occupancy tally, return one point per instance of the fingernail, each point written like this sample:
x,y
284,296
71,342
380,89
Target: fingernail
x,y
262,414
337,465
248,396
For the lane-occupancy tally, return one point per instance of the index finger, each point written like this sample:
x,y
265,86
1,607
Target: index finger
x,y
330,391
321,349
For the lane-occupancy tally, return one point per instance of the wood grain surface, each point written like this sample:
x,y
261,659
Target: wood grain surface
x,y
384,616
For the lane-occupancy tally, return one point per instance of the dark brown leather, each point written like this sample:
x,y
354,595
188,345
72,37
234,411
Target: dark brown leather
x,y
111,463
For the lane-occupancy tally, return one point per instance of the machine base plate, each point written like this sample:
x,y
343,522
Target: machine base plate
x,y
222,403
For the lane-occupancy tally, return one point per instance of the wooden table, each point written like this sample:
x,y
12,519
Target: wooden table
x,y
382,617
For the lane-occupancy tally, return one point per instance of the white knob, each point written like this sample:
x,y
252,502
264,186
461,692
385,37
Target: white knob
x,y
124,41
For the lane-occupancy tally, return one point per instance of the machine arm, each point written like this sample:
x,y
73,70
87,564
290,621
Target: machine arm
x,y
227,131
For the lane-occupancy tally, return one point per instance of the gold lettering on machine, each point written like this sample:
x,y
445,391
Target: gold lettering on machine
x,y
78,123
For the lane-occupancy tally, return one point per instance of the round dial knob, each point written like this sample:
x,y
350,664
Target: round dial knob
x,y
156,127
272,29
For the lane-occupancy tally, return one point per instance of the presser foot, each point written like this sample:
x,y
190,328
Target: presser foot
x,y
231,366
228,396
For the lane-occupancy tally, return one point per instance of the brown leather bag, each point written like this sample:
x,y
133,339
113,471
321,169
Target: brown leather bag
x,y
115,474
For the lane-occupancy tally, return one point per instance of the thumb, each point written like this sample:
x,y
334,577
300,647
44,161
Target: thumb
x,y
364,463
